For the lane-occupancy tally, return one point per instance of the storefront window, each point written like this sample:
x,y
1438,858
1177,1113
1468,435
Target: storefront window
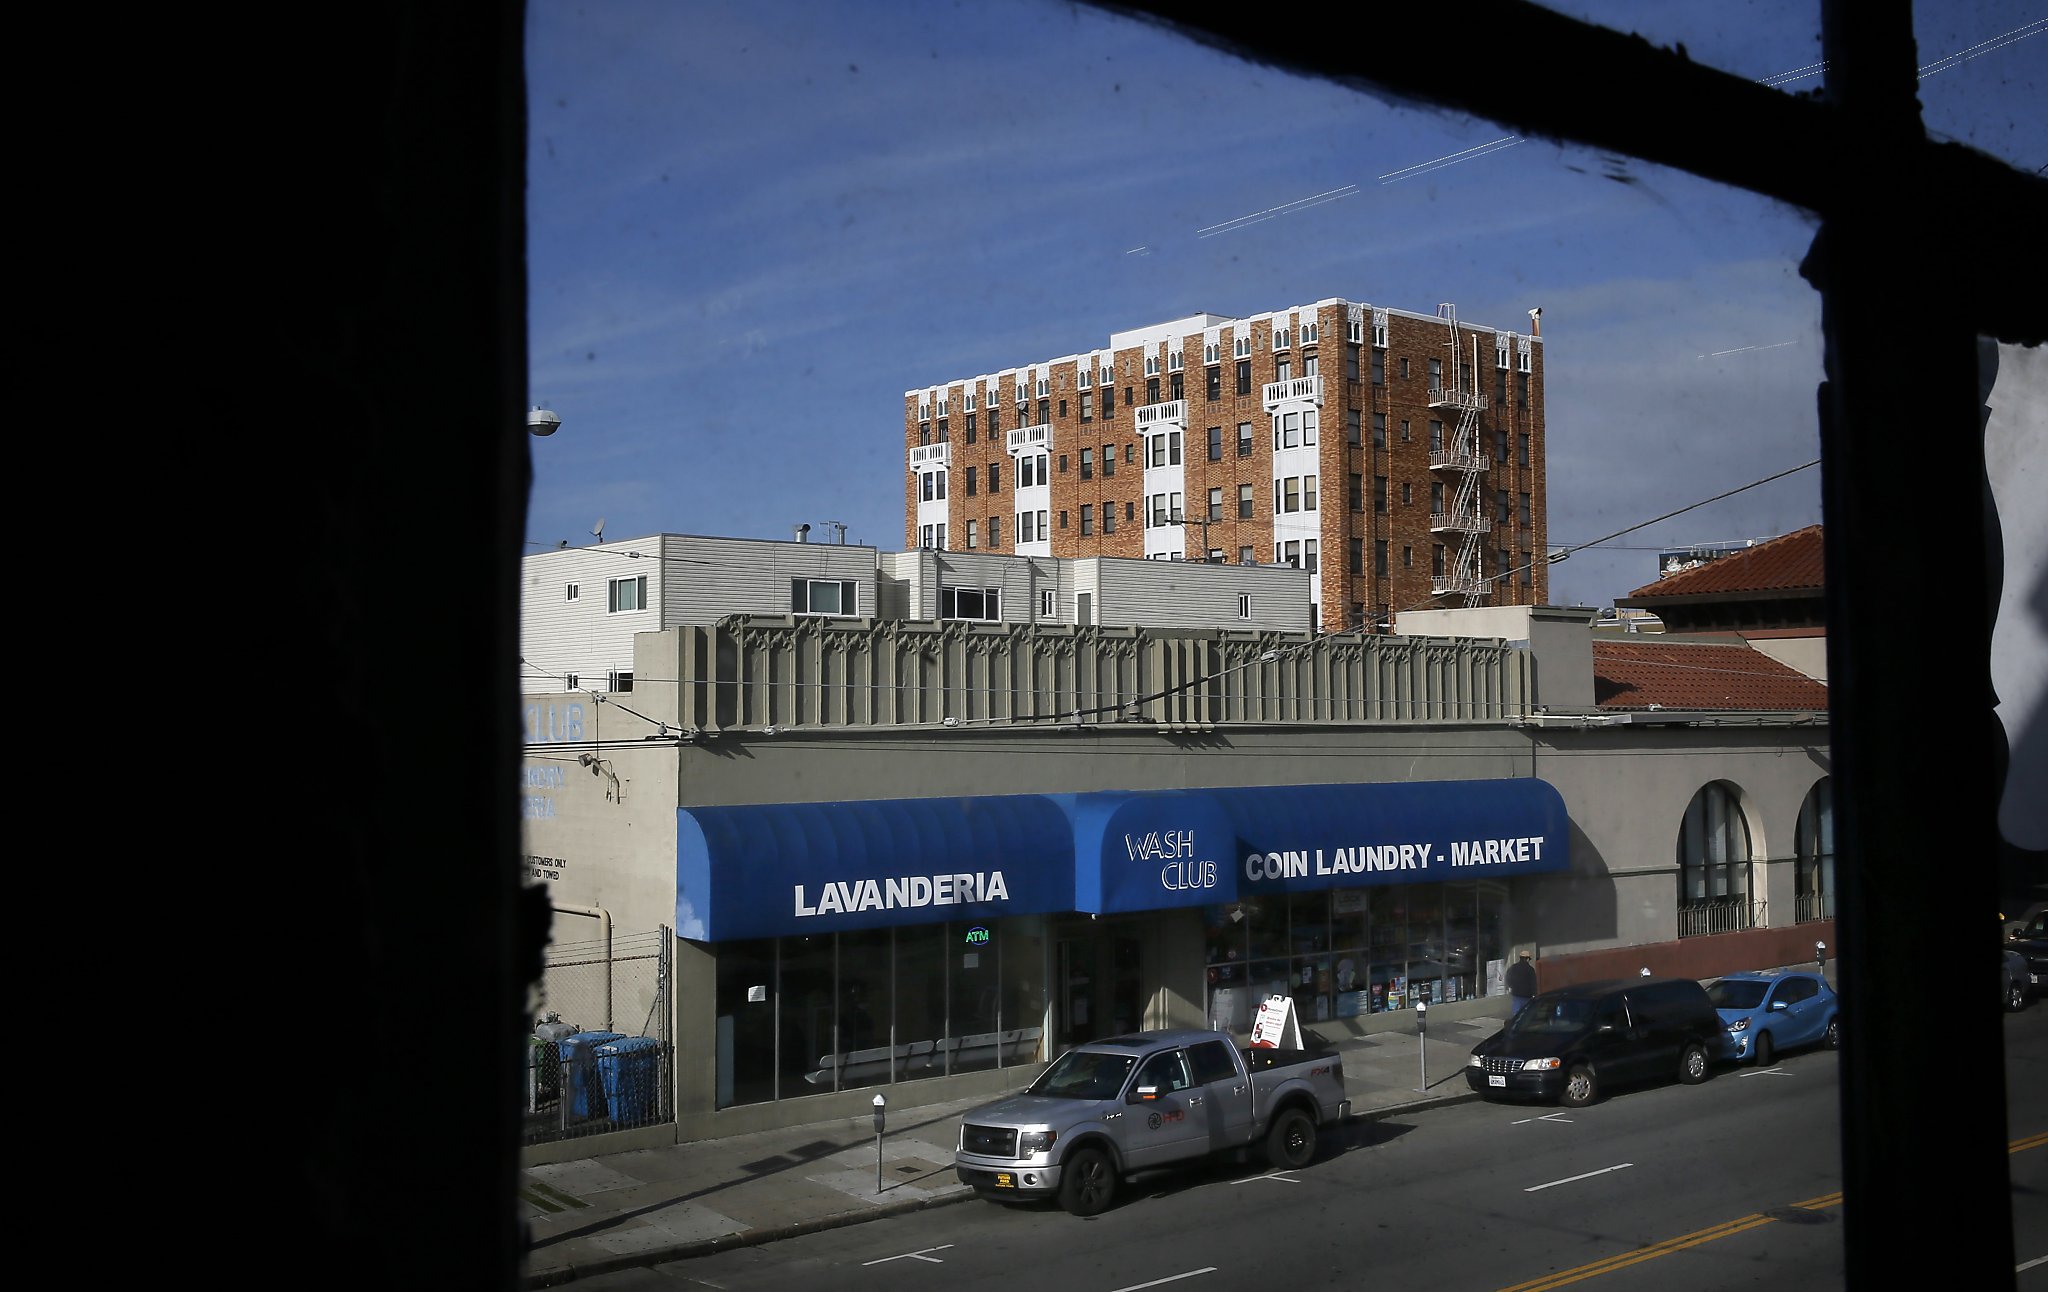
x,y
866,1008
745,1022
974,974
808,1028
1023,968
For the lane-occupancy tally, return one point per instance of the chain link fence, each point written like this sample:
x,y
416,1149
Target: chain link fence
x,y
600,1057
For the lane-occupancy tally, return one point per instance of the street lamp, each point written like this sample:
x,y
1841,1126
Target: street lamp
x,y
541,421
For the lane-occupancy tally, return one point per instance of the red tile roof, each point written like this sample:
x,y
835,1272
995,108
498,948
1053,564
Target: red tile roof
x,y
1697,675
1788,563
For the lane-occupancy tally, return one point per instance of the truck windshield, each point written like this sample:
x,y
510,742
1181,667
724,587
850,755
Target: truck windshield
x,y
1078,1074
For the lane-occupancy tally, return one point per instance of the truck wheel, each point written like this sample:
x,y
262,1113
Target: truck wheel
x,y
1291,1143
1088,1184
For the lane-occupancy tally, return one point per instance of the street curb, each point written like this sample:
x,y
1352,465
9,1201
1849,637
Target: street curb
x,y
776,1233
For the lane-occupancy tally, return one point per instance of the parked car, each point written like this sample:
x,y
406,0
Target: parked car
x,y
2032,943
2013,979
1572,1043
1776,1009
1151,1099
2015,926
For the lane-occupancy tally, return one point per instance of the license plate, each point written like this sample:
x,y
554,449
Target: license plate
x,y
1004,1180
1496,1081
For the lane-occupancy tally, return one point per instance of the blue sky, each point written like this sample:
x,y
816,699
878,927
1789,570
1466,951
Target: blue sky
x,y
753,227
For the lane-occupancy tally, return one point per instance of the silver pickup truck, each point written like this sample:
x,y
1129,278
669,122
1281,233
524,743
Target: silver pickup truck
x,y
1113,1107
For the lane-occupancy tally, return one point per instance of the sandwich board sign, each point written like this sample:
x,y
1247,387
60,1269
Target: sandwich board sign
x,y
1276,1026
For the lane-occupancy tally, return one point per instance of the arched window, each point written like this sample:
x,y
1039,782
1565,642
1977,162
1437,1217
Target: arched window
x,y
1714,874
1814,853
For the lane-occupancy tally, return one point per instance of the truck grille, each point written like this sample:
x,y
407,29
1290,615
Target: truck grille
x,y
988,1141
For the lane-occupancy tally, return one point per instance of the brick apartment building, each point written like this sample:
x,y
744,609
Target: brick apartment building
x,y
1399,456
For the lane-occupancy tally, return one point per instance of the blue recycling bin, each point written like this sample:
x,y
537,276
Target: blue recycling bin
x,y
629,1070
579,1057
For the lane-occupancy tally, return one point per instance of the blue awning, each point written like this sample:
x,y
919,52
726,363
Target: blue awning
x,y
1296,837
771,870
1151,850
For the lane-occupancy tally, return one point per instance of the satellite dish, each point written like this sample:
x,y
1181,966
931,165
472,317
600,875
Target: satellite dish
x,y
598,529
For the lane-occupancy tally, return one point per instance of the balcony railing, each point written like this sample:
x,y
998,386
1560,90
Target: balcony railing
x,y
1810,906
1457,460
1174,411
1459,523
1445,397
930,455
1293,390
1030,437
1451,585
1715,915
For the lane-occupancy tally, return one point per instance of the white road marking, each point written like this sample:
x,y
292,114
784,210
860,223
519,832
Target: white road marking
x,y
1620,1166
1767,1072
2038,1260
1171,1278
918,1255
1281,1176
1547,1117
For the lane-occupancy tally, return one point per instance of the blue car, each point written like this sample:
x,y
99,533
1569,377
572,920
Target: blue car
x,y
1769,1010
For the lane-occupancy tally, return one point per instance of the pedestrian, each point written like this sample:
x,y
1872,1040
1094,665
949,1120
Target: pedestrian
x,y
1521,984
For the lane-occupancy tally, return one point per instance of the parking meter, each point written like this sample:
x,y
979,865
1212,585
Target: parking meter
x,y
1820,953
1421,1033
881,1114
1422,1018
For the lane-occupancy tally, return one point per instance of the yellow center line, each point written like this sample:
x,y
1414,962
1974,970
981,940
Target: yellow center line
x,y
2030,1141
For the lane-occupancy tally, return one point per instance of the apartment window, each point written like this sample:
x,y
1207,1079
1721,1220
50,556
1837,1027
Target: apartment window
x,y
1283,369
1436,436
1044,534
1063,464
1245,557
1244,502
970,482
943,436
1242,346
572,592
1351,363
1109,518
1213,383
970,536
1027,471
1087,519
1528,572
1109,400
1379,557
995,477
1404,431
1026,529
995,421
970,428
1351,426
995,531
1436,497
1308,493
1500,384
822,597
1244,439
1156,446
1087,405
1281,338
1158,510
1087,464
1244,603
1130,511
628,594
1357,619
1355,556
1309,366
1244,376
1103,377
1063,518
931,486
1354,491
1407,493
1151,365
1151,390
1308,554
1215,556
1379,430
1379,367
1311,422
1288,553
1130,452
1522,449
1215,504
1215,444
1407,558
1436,559
1173,448
1044,411
1108,460
571,682
1046,604
1500,507
1063,410
1507,562
1174,387
924,435
1523,514
981,605
1521,390
1287,431
1290,494
1500,446
1379,493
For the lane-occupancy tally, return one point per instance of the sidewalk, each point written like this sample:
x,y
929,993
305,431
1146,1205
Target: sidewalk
x,y
645,1207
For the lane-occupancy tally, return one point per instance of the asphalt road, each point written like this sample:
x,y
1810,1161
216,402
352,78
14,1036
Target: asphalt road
x,y
1734,1183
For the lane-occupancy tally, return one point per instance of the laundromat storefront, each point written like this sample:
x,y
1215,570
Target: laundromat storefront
x,y
861,943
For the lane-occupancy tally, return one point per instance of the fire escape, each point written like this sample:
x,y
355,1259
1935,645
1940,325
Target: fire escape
x,y
1462,457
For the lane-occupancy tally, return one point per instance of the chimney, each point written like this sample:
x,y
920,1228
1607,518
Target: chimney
x,y
1536,321
803,533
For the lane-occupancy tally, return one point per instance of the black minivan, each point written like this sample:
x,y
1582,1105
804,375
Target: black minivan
x,y
1571,1043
